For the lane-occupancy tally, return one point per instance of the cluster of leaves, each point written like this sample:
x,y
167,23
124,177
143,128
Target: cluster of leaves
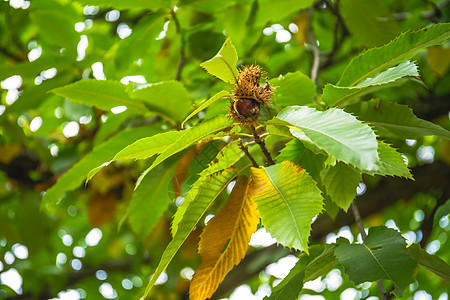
x,y
330,141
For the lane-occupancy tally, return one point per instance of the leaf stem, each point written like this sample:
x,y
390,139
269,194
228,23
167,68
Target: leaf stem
x,y
245,149
315,49
360,225
262,145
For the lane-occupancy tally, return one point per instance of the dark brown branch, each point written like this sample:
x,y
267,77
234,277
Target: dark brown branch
x,y
245,149
262,145
182,45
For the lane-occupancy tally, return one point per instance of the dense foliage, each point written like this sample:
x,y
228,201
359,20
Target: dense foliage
x,y
141,142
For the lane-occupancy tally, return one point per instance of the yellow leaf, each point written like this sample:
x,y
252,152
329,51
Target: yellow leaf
x,y
224,241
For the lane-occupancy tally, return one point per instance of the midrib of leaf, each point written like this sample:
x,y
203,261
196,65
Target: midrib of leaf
x,y
388,62
349,95
287,204
355,4
217,263
323,133
378,262
145,150
229,67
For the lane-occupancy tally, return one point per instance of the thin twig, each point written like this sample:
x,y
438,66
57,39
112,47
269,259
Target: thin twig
x,y
245,149
262,145
182,45
315,49
360,225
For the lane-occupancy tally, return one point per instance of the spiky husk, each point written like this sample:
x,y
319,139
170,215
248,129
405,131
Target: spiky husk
x,y
249,91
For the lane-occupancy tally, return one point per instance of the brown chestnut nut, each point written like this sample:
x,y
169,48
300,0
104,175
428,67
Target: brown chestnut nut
x,y
246,107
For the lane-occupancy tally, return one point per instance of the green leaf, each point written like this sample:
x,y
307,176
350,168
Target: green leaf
x,y
391,163
54,22
142,149
129,4
369,21
374,61
226,158
395,120
322,264
104,94
235,21
443,210
430,262
296,152
341,96
76,175
213,99
383,255
294,89
209,190
149,201
191,136
142,40
336,132
169,97
340,182
292,284
274,10
223,65
287,199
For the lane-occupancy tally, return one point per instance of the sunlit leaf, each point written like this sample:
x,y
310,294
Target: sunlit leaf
x,y
395,120
190,136
383,255
220,95
206,194
104,94
287,199
294,89
224,241
168,97
226,158
142,149
374,61
223,65
341,96
340,182
337,133
391,162
76,175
